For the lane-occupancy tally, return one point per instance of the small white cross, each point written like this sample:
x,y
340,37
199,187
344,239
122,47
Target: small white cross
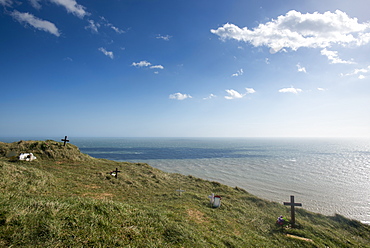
x,y
180,191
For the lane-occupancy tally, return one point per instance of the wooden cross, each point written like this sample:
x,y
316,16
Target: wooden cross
x,y
65,140
115,173
292,204
180,191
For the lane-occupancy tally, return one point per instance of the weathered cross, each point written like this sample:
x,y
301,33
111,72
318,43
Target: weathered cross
x,y
115,173
292,204
65,140
180,191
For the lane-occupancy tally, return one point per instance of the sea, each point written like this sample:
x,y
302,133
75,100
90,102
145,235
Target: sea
x,y
328,176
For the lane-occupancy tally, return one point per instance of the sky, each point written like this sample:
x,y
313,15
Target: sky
x,y
175,68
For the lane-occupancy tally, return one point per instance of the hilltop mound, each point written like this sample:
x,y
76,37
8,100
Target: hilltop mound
x,y
44,150
69,199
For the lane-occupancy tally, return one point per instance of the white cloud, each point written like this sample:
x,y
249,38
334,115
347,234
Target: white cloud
x,y
179,96
295,30
358,71
233,94
110,25
209,97
117,30
6,3
107,53
333,57
72,7
157,67
35,3
143,63
321,89
361,77
290,90
238,73
93,26
164,37
250,90
35,22
301,69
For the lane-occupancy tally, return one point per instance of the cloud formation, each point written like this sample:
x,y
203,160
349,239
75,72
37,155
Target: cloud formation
x,y
35,3
117,30
93,26
334,58
301,69
250,90
72,7
35,22
361,71
157,67
106,23
361,77
233,94
209,97
290,90
238,73
145,63
179,96
164,37
6,3
295,30
106,53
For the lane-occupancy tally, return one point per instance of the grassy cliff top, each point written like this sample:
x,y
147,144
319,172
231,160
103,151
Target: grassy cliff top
x,y
66,198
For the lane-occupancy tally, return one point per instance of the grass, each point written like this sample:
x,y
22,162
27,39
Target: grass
x,y
68,199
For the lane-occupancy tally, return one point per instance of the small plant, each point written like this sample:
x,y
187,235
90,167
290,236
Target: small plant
x,y
45,146
33,145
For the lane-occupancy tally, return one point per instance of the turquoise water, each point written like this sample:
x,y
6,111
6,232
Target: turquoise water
x,y
326,175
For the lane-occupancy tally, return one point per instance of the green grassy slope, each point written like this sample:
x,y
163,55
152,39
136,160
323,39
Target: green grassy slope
x,y
68,199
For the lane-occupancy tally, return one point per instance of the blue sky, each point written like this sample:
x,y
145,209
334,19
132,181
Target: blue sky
x,y
171,68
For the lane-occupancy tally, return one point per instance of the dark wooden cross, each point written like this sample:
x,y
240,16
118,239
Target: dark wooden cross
x,y
115,173
292,204
65,140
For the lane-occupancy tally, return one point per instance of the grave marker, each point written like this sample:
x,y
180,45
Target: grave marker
x,y
65,140
180,191
211,198
215,200
292,204
115,173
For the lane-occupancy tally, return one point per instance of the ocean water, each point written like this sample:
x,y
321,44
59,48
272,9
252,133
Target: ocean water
x,y
327,176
